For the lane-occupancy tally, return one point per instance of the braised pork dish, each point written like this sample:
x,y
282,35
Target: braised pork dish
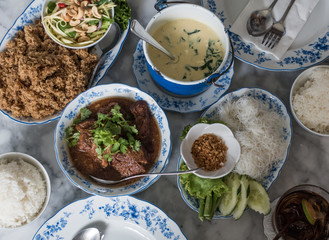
x,y
114,138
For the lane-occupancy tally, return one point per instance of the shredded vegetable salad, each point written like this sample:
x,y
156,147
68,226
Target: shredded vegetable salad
x,y
78,23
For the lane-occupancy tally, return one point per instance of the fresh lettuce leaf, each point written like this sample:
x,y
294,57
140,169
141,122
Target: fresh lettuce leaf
x,y
201,188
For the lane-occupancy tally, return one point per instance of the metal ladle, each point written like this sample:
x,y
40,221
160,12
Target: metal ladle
x,y
142,175
140,32
260,21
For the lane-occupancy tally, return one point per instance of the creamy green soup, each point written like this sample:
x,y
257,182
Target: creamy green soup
x,y
197,49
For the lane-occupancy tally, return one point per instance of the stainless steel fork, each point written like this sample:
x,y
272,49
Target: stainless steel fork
x,y
274,35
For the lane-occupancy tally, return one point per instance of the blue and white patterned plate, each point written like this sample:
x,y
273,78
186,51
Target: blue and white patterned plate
x,y
274,104
118,218
28,16
310,47
73,109
178,104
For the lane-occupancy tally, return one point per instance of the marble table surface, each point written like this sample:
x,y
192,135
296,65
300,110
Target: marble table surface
x,y
308,160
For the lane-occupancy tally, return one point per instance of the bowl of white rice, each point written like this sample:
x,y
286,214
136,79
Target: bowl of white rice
x,y
25,190
309,100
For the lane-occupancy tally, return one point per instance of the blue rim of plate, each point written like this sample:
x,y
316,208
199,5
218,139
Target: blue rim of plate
x,y
169,102
33,12
315,52
143,183
128,212
279,106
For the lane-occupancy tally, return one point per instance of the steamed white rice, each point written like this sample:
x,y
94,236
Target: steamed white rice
x,y
311,102
22,192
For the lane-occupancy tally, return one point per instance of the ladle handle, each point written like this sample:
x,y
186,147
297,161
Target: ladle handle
x,y
139,31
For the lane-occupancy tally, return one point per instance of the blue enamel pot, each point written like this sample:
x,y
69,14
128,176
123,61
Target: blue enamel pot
x,y
201,14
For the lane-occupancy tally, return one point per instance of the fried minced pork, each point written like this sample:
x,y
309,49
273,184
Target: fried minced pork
x,y
39,77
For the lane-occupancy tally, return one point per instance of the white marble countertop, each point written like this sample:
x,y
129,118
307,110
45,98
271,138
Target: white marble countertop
x,y
308,160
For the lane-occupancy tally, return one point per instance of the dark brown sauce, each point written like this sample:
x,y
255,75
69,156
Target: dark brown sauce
x,y
291,219
87,165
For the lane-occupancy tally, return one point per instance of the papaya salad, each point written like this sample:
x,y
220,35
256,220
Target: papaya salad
x,y
78,23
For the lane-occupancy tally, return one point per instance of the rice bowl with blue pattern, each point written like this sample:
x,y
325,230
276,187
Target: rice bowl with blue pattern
x,y
70,113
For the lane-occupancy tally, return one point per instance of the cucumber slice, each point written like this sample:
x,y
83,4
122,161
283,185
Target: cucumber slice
x,y
242,198
258,199
229,199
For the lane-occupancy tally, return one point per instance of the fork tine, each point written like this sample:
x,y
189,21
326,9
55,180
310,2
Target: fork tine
x,y
269,39
276,41
275,37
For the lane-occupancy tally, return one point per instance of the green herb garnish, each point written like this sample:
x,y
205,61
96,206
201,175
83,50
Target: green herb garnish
x,y
113,134
122,13
193,32
51,6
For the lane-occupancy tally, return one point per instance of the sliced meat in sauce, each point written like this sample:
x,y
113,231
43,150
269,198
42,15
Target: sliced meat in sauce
x,y
130,163
142,117
84,154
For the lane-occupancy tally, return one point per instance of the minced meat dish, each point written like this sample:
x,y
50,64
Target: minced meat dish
x,y
39,77
209,152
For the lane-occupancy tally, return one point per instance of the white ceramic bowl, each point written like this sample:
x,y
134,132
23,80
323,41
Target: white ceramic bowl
x,y
73,109
183,11
300,82
14,156
221,131
43,13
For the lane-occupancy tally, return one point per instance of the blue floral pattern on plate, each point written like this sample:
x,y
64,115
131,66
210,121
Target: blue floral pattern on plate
x,y
274,104
314,52
141,216
169,102
83,100
28,16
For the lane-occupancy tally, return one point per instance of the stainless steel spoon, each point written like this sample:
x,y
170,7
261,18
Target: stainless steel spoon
x,y
103,47
260,21
89,234
140,32
143,175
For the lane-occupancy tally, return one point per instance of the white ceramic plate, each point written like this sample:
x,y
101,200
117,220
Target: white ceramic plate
x,y
118,218
28,16
273,103
310,47
178,104
73,109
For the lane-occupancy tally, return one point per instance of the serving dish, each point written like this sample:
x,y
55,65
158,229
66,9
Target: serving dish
x,y
273,103
207,18
73,109
122,217
310,47
174,103
82,16
33,12
28,182
300,82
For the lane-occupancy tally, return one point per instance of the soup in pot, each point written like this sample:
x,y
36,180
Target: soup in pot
x,y
197,48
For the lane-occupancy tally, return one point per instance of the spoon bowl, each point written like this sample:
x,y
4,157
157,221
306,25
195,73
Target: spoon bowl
x,y
89,234
260,21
